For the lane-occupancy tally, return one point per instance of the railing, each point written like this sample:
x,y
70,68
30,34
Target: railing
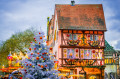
x,y
82,62
83,43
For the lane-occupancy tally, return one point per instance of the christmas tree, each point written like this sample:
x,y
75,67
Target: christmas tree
x,y
40,63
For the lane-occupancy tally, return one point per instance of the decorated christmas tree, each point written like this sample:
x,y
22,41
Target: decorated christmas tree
x,y
39,63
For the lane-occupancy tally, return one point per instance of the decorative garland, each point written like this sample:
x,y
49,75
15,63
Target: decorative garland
x,y
73,42
94,43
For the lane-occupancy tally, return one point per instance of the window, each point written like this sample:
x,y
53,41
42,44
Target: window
x,y
70,53
74,37
91,37
96,37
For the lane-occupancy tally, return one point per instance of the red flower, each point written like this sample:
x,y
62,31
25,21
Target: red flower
x,y
93,51
68,35
76,50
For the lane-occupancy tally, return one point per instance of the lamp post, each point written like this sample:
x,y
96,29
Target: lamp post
x,y
9,58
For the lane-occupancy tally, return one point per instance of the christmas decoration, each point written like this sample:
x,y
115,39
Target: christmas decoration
x,y
40,63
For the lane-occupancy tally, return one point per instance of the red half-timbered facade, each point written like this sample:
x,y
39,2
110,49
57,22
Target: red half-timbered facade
x,y
77,36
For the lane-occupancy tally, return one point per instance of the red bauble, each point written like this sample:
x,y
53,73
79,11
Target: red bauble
x,y
39,33
38,53
76,50
40,37
28,57
29,48
45,65
50,48
39,42
38,64
54,61
93,51
46,41
27,65
30,64
34,38
31,53
25,62
45,52
34,48
43,36
31,42
37,58
43,58
42,66
42,53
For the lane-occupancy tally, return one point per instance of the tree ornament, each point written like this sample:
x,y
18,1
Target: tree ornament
x,y
45,65
38,64
30,49
37,58
31,53
34,48
28,57
44,36
43,58
27,65
42,66
31,42
30,64
39,33
39,42
38,53
42,53
40,37
34,38
50,48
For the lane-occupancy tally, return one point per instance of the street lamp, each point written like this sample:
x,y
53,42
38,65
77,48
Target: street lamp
x,y
9,58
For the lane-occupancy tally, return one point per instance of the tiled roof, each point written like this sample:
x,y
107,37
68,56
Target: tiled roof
x,y
81,17
108,47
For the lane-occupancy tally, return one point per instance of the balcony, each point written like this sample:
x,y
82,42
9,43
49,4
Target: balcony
x,y
81,62
81,44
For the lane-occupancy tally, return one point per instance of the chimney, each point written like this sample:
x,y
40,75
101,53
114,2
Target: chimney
x,y
72,3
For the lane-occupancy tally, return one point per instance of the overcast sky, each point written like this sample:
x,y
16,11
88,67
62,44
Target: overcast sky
x,y
19,15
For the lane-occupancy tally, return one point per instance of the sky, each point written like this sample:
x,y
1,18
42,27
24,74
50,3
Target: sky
x,y
19,15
